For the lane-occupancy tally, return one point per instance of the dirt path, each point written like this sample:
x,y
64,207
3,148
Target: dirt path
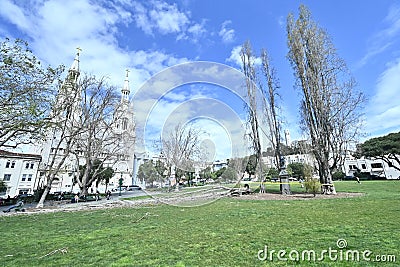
x,y
178,199
270,196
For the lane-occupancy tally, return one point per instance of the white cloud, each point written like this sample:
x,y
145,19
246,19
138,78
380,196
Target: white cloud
x,y
11,11
159,17
385,38
167,18
236,59
383,111
197,31
393,18
141,18
235,56
227,34
55,29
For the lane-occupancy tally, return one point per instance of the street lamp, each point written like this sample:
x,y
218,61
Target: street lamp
x,y
121,179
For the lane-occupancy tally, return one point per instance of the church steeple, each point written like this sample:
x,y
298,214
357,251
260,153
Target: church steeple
x,y
73,72
69,95
125,89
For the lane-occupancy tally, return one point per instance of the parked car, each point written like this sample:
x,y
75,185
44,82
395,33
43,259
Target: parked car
x,y
116,189
133,187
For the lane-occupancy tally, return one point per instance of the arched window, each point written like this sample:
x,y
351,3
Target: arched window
x,y
124,123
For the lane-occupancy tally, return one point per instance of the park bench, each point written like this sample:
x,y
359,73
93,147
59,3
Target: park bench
x,y
235,192
18,207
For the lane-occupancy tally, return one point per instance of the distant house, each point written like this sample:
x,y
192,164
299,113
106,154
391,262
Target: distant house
x,y
18,171
295,158
373,167
217,165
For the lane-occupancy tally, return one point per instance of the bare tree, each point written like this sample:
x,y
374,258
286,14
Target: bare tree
x,y
63,131
271,108
330,108
27,92
107,135
181,148
249,70
239,166
273,121
85,133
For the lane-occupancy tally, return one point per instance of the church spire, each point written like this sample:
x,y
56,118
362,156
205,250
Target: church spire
x,y
125,89
73,72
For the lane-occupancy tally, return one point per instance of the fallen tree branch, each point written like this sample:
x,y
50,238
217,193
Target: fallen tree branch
x,y
141,218
62,250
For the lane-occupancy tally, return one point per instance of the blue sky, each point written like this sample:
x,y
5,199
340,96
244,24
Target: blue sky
x,y
149,36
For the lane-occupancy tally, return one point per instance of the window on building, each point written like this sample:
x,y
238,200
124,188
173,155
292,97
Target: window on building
x,y
23,191
363,166
27,165
8,164
3,191
352,167
23,179
124,123
12,164
376,165
7,177
32,165
29,177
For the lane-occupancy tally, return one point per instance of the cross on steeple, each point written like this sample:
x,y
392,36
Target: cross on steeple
x,y
78,49
125,89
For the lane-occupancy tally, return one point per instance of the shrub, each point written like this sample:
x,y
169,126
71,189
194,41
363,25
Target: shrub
x,y
338,175
312,185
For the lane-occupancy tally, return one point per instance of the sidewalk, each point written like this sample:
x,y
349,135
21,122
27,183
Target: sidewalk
x,y
66,205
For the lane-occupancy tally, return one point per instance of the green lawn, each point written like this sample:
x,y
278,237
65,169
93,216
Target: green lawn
x,y
228,232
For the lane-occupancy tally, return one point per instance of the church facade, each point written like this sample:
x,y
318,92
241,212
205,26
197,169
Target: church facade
x,y
64,159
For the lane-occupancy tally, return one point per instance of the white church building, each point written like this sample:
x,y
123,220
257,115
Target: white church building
x,y
26,172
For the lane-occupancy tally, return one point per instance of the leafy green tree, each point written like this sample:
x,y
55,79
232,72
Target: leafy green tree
x,y
27,94
251,166
97,173
272,173
148,172
386,148
105,175
160,168
206,173
338,175
300,169
220,172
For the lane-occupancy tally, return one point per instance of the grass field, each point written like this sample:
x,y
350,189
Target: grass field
x,y
228,232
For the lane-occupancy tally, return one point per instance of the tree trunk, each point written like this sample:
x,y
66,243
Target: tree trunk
x,y
46,191
84,191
